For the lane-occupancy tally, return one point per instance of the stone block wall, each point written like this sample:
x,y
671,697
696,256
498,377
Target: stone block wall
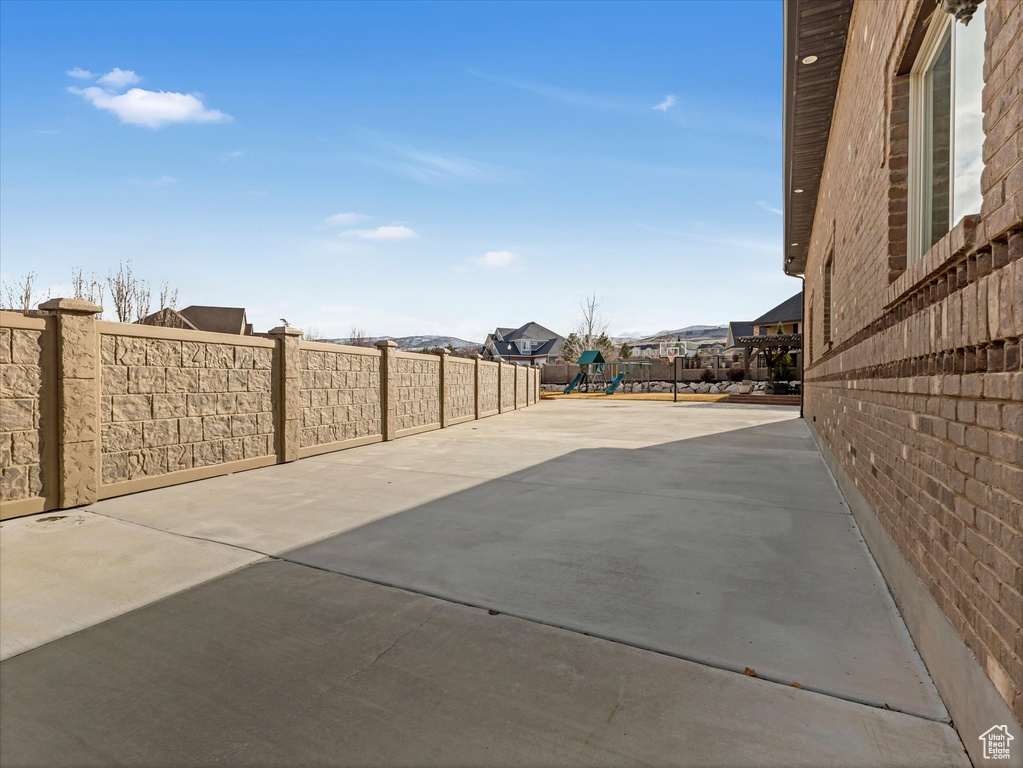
x,y
418,391
489,373
340,395
919,395
521,384
460,388
26,425
92,409
168,405
507,387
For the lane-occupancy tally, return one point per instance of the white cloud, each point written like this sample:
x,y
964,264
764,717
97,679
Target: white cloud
x,y
669,101
554,93
393,232
237,153
346,219
494,259
159,181
47,131
80,74
152,108
770,208
118,78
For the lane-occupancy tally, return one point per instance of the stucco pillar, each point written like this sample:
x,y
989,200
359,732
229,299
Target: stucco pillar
x,y
479,382
388,387
287,392
515,386
500,384
445,354
78,400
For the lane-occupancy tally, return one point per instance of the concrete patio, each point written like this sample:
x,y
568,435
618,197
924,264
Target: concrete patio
x,y
583,582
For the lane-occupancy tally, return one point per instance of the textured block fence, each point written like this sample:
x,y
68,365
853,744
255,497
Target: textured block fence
x,y
92,409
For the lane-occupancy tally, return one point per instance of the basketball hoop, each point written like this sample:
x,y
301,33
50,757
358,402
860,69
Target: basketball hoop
x,y
672,349
671,355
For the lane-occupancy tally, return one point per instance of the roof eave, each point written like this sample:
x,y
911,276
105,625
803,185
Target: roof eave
x,y
794,256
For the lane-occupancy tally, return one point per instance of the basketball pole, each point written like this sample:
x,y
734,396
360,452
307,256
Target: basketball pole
x,y
675,388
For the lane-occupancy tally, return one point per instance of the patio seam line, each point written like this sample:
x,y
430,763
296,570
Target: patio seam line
x,y
645,648
577,488
175,533
389,585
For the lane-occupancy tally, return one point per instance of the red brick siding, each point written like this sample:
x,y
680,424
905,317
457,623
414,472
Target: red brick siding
x,y
920,396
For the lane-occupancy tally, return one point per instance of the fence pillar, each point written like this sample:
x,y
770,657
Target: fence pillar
x,y
479,383
388,388
79,370
515,378
500,385
287,389
445,355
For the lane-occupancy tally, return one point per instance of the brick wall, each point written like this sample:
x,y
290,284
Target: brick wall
x,y
920,395
169,405
340,395
23,412
460,388
418,391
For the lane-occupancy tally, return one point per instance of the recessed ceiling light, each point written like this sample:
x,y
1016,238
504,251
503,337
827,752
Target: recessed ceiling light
x,y
797,191
809,59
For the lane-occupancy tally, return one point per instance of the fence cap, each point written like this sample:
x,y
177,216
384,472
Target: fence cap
x,y
284,330
385,343
78,306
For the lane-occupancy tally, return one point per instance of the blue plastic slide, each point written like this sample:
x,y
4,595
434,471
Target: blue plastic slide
x,y
615,383
575,383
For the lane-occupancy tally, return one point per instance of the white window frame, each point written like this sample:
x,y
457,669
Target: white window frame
x,y
919,190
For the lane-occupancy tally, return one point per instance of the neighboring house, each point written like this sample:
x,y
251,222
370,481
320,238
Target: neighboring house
x,y
198,318
532,343
790,314
736,329
903,197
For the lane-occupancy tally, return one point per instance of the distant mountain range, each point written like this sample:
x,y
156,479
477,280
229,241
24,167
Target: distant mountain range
x,y
702,333
416,342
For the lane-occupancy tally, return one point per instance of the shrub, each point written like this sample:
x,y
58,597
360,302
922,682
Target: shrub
x,y
708,375
736,373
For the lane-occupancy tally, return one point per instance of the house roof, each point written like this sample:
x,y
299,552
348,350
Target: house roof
x,y
590,356
504,346
789,311
812,28
737,328
215,319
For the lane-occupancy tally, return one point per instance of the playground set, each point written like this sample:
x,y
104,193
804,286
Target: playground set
x,y
596,373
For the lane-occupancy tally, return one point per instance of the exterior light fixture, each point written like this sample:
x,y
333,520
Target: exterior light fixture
x,y
963,10
793,245
797,191
811,59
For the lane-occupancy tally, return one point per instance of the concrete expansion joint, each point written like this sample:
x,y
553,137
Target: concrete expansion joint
x,y
745,671
179,535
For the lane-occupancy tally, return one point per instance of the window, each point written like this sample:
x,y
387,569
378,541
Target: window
x,y
946,130
795,327
829,269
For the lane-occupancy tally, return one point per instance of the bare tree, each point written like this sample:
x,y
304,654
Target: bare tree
x,y
122,292
20,293
86,288
168,296
590,331
312,333
141,300
357,337
592,323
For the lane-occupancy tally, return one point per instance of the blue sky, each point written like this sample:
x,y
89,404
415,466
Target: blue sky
x,y
491,163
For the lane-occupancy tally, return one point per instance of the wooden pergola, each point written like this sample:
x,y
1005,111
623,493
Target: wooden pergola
x,y
771,347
